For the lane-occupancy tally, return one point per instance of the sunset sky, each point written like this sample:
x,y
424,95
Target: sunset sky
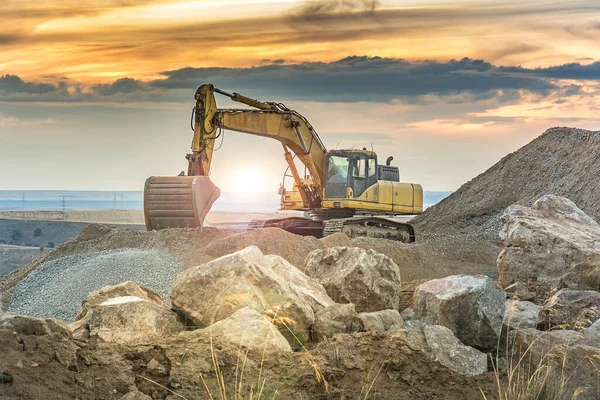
x,y
97,94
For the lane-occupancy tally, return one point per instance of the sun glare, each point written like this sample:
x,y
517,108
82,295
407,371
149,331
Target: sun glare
x,y
250,180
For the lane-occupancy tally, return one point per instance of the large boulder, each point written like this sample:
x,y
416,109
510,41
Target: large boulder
x,y
471,306
568,366
537,344
26,325
550,246
440,345
570,309
369,280
520,314
130,319
245,328
338,318
128,288
269,285
379,322
308,288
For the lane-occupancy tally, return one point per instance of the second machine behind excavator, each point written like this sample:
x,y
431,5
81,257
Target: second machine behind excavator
x,y
342,190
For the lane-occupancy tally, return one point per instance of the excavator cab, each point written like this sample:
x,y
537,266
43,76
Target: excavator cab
x,y
350,169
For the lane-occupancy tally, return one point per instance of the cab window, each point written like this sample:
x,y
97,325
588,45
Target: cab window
x,y
372,167
358,168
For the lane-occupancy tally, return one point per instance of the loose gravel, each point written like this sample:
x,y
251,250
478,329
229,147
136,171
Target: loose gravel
x,y
56,288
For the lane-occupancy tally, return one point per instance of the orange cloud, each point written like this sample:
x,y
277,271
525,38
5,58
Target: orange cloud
x,y
115,38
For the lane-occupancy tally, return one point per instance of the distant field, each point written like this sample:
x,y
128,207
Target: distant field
x,y
14,257
135,217
22,237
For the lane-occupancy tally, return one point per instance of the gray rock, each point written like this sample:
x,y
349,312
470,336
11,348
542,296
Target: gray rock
x,y
441,346
591,335
128,288
130,319
382,321
408,314
26,325
520,314
571,366
338,318
539,343
369,280
471,306
549,246
246,328
570,309
214,291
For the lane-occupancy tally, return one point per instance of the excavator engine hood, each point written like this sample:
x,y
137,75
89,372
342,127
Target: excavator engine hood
x,y
178,201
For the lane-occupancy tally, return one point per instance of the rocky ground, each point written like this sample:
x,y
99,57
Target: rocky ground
x,y
462,313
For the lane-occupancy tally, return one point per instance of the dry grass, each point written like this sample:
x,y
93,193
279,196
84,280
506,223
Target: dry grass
x,y
254,390
525,379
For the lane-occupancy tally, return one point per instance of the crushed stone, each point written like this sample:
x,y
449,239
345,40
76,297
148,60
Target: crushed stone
x,y
57,287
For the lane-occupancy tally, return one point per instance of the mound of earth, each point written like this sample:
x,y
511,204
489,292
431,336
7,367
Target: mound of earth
x,y
562,161
347,366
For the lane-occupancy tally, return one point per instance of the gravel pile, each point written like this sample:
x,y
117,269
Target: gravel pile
x,y
562,161
56,288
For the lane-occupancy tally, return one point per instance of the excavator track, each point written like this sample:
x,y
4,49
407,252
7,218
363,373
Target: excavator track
x,y
297,225
353,227
374,227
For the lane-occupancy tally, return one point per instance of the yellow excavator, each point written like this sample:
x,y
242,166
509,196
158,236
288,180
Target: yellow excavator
x,y
340,191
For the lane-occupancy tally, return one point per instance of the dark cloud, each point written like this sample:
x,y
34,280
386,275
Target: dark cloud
x,y
13,84
120,86
565,71
8,39
351,79
323,10
361,79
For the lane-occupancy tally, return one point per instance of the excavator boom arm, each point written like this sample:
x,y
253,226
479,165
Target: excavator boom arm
x,y
271,120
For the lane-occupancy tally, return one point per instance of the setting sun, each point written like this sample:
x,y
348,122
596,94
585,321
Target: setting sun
x,y
249,180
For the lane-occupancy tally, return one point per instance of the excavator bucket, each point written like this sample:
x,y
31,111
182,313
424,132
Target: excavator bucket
x,y
178,201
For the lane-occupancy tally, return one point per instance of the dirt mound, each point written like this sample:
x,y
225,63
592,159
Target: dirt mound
x,y
291,247
562,161
51,367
